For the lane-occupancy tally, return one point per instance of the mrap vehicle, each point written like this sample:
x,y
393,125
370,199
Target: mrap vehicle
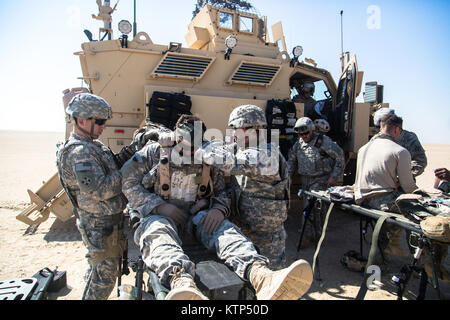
x,y
229,61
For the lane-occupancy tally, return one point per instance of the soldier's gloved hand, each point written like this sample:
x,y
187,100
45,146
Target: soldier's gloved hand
x,y
201,204
212,221
166,139
170,211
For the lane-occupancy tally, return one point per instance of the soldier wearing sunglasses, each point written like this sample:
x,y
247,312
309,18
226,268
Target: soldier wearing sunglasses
x,y
318,160
90,176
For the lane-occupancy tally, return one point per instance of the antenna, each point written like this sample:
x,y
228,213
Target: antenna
x,y
342,32
134,23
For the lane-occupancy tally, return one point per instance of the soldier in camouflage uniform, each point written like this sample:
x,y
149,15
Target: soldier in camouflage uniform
x,y
305,96
178,201
259,182
407,140
318,160
92,180
320,164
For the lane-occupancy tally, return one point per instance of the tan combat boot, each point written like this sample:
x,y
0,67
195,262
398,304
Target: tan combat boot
x,y
183,287
395,249
286,284
394,246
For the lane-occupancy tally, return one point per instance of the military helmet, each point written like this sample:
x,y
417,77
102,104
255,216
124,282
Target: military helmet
x,y
247,116
380,114
308,87
87,105
322,125
304,124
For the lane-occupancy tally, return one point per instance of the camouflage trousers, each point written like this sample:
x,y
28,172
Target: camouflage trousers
x,y
270,245
161,245
101,279
103,269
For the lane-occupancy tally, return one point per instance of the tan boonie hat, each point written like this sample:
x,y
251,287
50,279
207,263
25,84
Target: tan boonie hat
x,y
436,228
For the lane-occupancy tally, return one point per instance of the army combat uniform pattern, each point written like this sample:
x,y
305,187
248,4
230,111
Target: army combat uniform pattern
x,y
158,237
259,189
91,177
315,161
316,164
410,142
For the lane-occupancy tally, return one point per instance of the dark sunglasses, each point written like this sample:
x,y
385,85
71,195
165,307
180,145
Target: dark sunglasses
x,y
303,134
100,122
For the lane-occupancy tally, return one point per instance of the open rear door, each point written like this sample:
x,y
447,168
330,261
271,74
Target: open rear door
x,y
342,124
51,197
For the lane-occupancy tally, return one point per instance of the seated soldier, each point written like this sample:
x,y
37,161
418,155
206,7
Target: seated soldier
x,y
259,181
407,140
383,167
178,199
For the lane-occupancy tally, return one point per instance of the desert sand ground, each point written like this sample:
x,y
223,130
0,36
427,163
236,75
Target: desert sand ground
x,y
28,158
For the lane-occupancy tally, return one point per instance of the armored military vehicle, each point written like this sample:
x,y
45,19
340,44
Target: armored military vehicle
x,y
229,60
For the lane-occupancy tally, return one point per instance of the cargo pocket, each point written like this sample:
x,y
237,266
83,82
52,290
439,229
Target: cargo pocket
x,y
262,215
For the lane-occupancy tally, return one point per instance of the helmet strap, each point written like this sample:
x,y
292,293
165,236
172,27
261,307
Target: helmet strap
x,y
89,134
92,135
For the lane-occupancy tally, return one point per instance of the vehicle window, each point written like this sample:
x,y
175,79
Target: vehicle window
x,y
226,20
320,89
246,24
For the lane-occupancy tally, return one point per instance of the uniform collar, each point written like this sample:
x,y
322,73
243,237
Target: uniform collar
x,y
80,137
382,135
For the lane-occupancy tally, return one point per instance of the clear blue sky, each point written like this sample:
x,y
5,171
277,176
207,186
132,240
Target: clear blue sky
x,y
404,45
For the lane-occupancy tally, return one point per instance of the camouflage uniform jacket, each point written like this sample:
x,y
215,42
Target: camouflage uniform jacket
x,y
91,175
141,183
312,161
410,142
259,184
263,198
